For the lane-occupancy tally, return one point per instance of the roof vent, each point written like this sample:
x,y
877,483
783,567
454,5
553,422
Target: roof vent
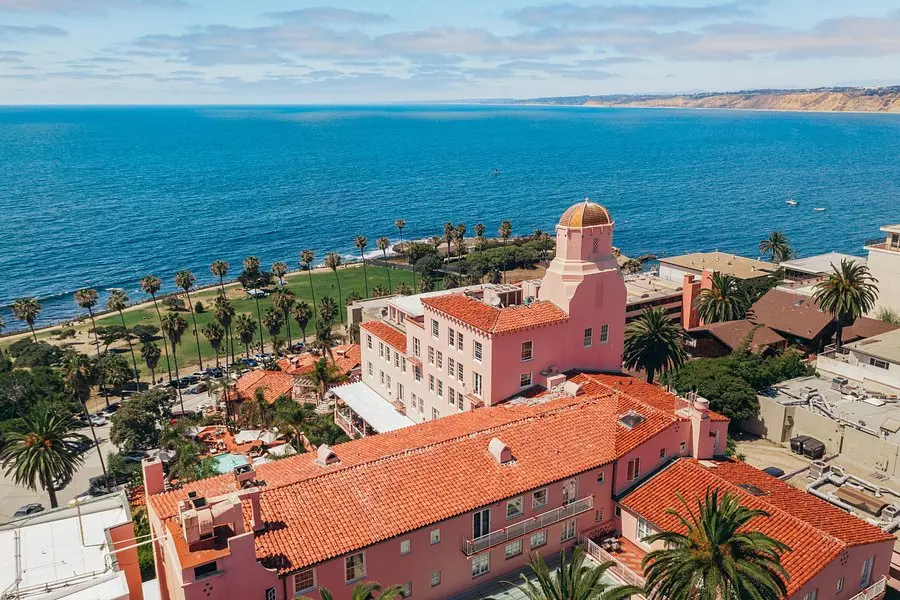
x,y
500,451
751,489
631,420
570,388
327,456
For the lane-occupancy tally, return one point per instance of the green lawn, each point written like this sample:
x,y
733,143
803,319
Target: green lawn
x,y
324,283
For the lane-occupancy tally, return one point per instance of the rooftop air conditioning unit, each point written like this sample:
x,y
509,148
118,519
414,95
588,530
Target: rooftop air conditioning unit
x,y
891,511
818,468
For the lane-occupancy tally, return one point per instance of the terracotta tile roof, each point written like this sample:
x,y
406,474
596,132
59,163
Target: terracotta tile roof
x,y
491,319
365,498
733,334
387,334
791,313
815,530
865,327
346,357
273,383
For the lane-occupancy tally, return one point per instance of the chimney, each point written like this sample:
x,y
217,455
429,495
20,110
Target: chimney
x,y
555,379
154,477
500,451
570,388
326,456
701,431
244,475
256,521
690,290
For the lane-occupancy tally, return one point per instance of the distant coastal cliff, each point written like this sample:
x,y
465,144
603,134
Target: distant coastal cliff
x,y
882,99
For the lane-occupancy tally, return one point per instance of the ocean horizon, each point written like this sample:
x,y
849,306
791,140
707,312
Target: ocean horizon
x,y
99,196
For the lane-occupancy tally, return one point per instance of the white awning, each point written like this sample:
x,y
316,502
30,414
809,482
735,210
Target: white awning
x,y
371,408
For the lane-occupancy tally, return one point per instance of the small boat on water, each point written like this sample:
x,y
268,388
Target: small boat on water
x,y
819,209
791,202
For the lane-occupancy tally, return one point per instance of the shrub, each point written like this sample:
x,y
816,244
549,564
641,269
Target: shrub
x,y
67,333
198,307
35,354
145,333
174,303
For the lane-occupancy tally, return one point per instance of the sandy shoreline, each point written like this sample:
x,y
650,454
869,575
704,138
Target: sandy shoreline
x,y
699,108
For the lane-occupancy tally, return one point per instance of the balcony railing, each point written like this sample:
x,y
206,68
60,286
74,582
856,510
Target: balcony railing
x,y
882,244
873,591
618,570
521,528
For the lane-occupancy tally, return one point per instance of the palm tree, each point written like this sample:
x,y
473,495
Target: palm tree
x,y
245,327
325,338
78,377
284,300
653,342
306,259
214,334
117,301
302,313
273,320
87,298
46,452
150,352
460,238
279,270
328,311
361,242
449,235
479,232
383,244
151,284
174,327
847,293
220,268
364,591
573,580
719,554
400,224
185,280
224,315
333,261
778,246
505,231
27,309
725,301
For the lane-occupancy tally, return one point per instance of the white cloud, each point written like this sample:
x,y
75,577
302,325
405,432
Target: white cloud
x,y
81,6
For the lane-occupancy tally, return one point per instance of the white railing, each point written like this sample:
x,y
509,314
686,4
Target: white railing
x,y
873,591
521,528
618,570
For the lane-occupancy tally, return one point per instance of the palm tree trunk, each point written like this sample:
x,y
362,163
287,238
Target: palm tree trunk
x,y
222,284
262,347
153,375
231,341
839,334
340,298
287,324
51,491
165,345
33,333
96,441
650,374
177,377
365,274
196,331
99,363
247,348
137,374
311,290
390,287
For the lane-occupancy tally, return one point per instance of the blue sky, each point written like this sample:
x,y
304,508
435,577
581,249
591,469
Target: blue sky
x,y
275,51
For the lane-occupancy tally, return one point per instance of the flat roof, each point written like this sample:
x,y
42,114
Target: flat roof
x,y
371,407
820,263
646,287
47,555
740,267
885,345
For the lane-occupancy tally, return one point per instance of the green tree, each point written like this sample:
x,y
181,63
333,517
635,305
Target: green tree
x,y
323,376
479,235
245,327
400,224
460,235
352,297
449,236
150,284
136,425
187,465
505,231
717,381
384,245
366,590
328,311
654,342
215,335
888,316
79,374
186,280
325,338
284,300
302,314
333,261
361,242
45,452
716,553
251,264
87,298
848,293
151,353
273,321
174,327
306,260
27,309
224,314
726,300
403,289
279,270
777,246
117,301
117,371
220,268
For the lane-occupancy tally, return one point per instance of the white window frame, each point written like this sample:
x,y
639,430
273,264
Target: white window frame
x,y
535,503
439,361
435,414
588,337
525,380
568,531
430,355
435,578
370,368
662,454
878,363
682,447
362,567
642,529
405,547
604,333
530,357
481,564
435,329
515,547
541,535
451,337
633,465
417,347
840,586
369,341
440,388
477,383
451,367
435,536
451,396
406,590
310,570
512,502
598,515
601,477
381,349
459,372
477,351
431,383
417,373
459,341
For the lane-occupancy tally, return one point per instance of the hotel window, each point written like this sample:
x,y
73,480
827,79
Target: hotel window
x,y
476,382
451,396
840,586
539,498
381,349
387,354
662,454
527,350
866,576
525,379
417,347
878,363
459,341
207,569
305,581
440,388
451,337
481,564
435,578
477,350
403,364
588,337
538,539
643,529
417,373
604,334
435,536
406,590
421,405
393,313
811,595
435,414
513,549
451,367
368,341
401,391
598,515
397,359
440,360
514,508
601,477
431,383
404,547
430,355
682,447
633,470
568,531
271,594
354,567
371,370
435,329
459,372
388,381
618,511
401,317
382,377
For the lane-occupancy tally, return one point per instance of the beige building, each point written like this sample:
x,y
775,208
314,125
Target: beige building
x,y
884,264
674,268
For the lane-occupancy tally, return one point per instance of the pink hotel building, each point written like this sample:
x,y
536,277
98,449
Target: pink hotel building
x,y
449,506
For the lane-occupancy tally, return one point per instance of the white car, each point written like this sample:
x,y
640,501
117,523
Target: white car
x,y
99,420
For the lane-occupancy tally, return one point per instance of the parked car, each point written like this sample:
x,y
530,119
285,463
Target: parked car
x,y
298,348
214,373
79,421
99,420
249,362
134,457
28,509
82,444
197,388
263,356
111,409
257,293
100,485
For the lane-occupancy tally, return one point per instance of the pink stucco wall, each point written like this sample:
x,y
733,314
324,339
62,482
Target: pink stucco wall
x,y
123,543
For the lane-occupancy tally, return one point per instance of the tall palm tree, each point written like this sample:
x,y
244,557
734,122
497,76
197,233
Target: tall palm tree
x,y
284,300
328,311
252,263
654,342
78,377
87,298
27,309
273,320
848,293
306,260
279,270
150,352
245,327
220,268
573,580
725,301
150,284
400,224
302,313
479,232
333,261
460,235
2,324
361,242
505,231
214,334
117,301
46,452
323,375
383,244
186,280
224,315
716,554
174,327
777,246
449,236
365,590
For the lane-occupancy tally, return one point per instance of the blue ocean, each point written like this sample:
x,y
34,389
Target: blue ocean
x,y
102,196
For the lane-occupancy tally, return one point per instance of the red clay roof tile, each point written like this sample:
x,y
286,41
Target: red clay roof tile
x,y
273,383
387,334
491,319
